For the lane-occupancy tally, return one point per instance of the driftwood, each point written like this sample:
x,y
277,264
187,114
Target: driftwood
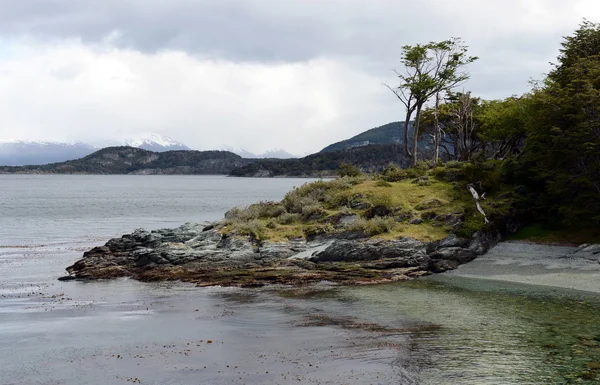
x,y
476,197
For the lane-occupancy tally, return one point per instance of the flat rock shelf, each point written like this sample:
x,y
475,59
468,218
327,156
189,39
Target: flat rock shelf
x,y
200,253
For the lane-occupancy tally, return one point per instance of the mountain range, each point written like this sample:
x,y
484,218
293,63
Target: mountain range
x,y
370,151
28,152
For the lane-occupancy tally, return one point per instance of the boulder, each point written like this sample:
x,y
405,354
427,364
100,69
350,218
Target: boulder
x,y
453,241
409,250
416,221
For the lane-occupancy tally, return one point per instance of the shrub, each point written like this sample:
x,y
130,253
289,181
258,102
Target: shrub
x,y
318,192
453,164
486,175
381,198
312,212
294,203
320,229
346,169
288,218
233,214
267,209
379,225
393,174
422,165
415,172
338,199
375,226
256,211
351,181
255,229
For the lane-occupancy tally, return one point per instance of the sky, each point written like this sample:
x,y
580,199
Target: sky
x,y
251,74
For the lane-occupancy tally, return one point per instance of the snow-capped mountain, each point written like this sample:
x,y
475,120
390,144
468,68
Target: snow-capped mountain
x,y
26,152
30,152
278,153
155,142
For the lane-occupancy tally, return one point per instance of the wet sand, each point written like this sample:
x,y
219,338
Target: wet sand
x,y
125,331
534,264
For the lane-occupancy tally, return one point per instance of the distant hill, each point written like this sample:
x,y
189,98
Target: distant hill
x,y
391,133
370,151
129,160
370,158
22,152
30,152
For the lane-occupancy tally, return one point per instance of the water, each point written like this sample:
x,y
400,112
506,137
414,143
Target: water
x,y
447,329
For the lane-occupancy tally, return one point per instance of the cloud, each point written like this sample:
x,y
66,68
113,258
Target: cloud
x,y
70,90
291,30
256,74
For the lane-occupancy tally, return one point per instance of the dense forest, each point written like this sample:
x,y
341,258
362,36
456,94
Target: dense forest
x,y
545,143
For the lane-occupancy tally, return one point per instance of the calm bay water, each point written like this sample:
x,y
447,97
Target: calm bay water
x,y
441,330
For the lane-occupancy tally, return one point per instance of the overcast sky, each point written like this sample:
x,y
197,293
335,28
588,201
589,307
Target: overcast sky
x,y
253,74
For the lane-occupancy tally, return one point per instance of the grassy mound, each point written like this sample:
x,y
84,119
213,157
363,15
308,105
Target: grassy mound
x,y
421,203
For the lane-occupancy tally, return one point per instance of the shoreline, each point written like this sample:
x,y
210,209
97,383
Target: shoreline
x,y
537,264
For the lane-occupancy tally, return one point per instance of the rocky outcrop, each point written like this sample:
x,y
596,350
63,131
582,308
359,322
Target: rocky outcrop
x,y
198,252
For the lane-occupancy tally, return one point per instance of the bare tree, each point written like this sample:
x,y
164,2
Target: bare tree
x,y
409,103
429,69
466,143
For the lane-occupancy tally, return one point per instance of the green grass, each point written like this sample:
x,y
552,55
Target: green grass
x,y
311,207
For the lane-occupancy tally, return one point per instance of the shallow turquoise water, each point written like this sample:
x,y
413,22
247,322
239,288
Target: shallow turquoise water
x,y
474,331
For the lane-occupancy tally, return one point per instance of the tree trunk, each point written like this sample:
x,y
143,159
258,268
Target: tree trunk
x,y
416,135
406,123
437,131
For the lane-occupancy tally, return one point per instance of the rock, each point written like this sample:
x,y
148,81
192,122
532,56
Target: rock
x,y
589,249
429,215
591,252
443,265
67,278
347,235
357,202
458,254
199,253
453,241
341,220
412,252
403,216
270,252
416,221
347,220
482,242
378,211
310,252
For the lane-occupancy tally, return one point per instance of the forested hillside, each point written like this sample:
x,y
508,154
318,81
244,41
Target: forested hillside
x,y
130,160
